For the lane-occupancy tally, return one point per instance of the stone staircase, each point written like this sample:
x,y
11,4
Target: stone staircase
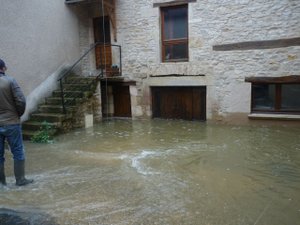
x,y
76,91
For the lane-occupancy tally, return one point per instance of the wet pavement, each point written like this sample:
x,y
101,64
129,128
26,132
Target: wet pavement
x,y
162,172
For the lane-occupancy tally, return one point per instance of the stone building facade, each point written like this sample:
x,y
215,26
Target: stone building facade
x,y
210,23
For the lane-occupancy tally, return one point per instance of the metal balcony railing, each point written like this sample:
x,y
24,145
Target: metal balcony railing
x,y
107,62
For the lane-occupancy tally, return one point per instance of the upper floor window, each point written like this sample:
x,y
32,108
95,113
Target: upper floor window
x,y
174,33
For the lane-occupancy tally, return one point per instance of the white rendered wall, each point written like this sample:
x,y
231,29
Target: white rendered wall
x,y
37,38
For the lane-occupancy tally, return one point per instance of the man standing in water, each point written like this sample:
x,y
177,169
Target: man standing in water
x,y
12,107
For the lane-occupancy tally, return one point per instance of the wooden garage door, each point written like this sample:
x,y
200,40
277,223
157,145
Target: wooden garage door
x,y
187,103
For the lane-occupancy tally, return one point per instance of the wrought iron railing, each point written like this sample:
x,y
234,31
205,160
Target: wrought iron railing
x,y
103,67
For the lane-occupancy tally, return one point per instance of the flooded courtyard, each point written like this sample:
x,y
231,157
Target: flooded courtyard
x,y
125,172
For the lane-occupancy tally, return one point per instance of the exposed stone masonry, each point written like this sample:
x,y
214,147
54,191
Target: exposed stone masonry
x,y
211,23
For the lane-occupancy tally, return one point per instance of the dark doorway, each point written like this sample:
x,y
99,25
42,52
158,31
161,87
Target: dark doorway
x,y
122,106
187,103
102,35
115,97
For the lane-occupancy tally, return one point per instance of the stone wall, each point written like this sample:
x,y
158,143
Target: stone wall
x,y
210,23
91,106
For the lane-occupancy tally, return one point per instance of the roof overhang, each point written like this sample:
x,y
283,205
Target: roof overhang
x,y
109,8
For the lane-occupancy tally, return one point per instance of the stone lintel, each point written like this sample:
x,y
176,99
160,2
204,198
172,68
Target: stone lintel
x,y
266,44
171,3
178,75
77,1
274,80
118,82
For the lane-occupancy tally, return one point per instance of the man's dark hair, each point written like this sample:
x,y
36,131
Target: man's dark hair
x,y
2,64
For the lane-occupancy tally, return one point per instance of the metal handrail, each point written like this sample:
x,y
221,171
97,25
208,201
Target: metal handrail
x,y
68,71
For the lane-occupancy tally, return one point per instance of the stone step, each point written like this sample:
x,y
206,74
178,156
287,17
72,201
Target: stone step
x,y
54,108
77,87
57,101
76,90
50,109
49,117
68,94
29,134
79,80
37,125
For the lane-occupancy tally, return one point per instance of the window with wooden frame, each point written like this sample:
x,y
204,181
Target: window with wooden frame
x,y
276,97
174,33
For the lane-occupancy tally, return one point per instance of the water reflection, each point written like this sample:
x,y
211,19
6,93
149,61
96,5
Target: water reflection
x,y
164,172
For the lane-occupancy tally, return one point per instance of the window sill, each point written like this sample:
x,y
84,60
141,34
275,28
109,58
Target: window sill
x,y
175,61
268,116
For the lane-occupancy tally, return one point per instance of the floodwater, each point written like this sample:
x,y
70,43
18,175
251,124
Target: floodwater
x,y
125,172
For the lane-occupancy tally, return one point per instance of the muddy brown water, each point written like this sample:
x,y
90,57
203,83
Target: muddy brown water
x,y
163,172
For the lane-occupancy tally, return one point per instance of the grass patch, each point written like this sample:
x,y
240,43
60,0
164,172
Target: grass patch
x,y
44,134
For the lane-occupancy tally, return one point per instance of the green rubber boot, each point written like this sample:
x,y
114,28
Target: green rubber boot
x,y
19,169
2,174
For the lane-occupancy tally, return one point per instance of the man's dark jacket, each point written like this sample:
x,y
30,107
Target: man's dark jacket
x,y
12,101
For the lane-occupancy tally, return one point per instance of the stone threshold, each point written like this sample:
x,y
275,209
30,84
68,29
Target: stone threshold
x,y
273,116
